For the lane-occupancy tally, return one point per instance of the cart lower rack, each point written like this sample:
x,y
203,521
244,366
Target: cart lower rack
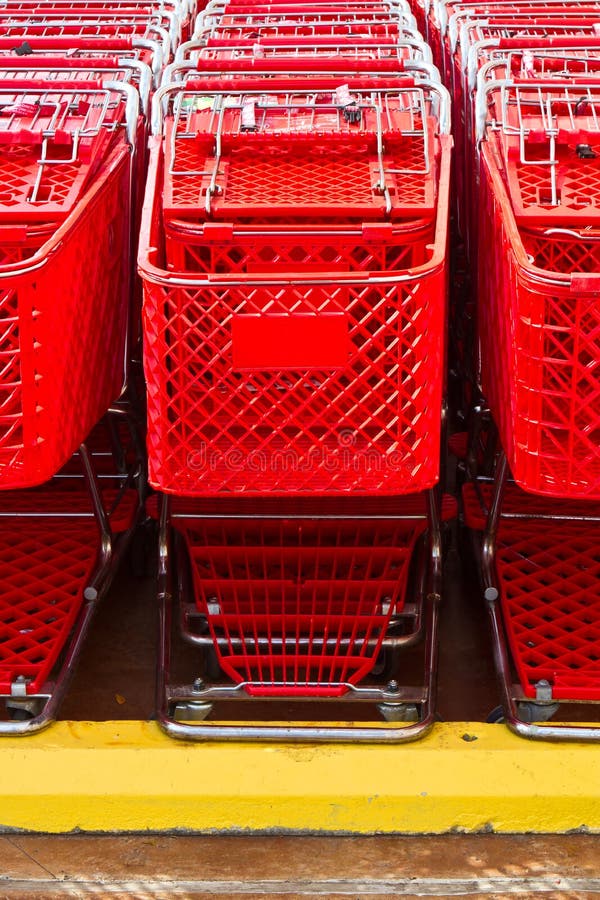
x,y
299,601
60,547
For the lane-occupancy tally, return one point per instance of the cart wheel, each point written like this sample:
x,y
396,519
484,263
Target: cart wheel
x,y
496,716
399,712
19,715
537,712
18,710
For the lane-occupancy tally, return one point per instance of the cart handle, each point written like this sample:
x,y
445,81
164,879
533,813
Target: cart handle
x,y
458,24
307,67
161,41
42,86
265,9
484,89
221,85
108,44
317,6
407,42
57,42
260,86
536,43
206,24
559,83
300,64
302,41
59,63
130,95
552,41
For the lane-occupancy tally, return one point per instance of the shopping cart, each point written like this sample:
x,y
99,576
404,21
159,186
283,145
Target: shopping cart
x,y
289,311
525,83
66,182
548,182
75,84
536,317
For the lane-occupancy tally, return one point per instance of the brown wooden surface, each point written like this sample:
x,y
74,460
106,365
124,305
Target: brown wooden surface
x,y
293,867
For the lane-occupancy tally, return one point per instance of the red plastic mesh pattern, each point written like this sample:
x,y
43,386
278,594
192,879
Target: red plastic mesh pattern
x,y
549,576
44,571
44,568
540,366
389,249
370,426
578,193
266,587
549,581
57,378
562,252
310,174
59,186
73,131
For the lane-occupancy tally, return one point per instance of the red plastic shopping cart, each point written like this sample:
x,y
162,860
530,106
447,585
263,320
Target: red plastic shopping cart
x,y
294,314
65,213
535,117
75,83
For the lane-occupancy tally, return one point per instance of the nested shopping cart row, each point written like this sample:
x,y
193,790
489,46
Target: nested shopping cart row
x,y
294,259
75,87
526,88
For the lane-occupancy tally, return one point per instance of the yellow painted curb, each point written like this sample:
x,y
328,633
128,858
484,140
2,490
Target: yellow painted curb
x,y
117,776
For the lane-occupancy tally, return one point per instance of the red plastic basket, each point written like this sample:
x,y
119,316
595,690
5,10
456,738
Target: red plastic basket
x,y
540,333
57,377
294,382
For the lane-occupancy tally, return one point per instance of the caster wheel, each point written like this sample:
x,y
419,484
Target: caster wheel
x,y
20,715
496,716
